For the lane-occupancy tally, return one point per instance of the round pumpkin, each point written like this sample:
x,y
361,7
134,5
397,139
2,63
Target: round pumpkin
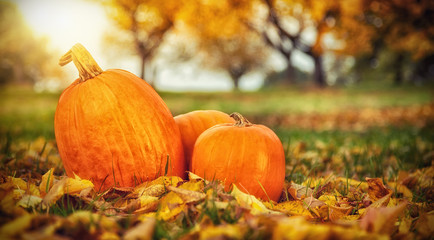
x,y
248,155
113,128
194,123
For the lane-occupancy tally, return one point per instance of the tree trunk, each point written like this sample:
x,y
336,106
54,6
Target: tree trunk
x,y
319,76
142,67
290,71
398,65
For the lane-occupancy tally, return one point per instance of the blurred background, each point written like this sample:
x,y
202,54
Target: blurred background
x,y
336,80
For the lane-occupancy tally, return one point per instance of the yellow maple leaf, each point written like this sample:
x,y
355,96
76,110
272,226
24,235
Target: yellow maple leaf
x,y
250,202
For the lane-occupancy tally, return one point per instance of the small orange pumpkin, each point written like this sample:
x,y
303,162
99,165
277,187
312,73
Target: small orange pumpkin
x,y
113,128
194,123
248,155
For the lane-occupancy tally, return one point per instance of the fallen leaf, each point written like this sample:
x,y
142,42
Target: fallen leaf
x,y
337,213
298,192
141,205
46,182
19,183
424,225
117,192
250,202
155,190
188,196
13,228
293,208
142,231
170,206
66,185
29,201
382,219
222,232
376,188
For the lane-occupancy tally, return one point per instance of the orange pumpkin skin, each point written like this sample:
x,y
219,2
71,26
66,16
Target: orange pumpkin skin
x,y
194,123
115,130
249,156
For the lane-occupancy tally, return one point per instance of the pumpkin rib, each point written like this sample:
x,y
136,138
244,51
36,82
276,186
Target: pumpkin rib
x,y
99,164
116,171
242,154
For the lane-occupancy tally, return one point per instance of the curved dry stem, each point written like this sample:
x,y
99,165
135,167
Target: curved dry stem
x,y
83,61
240,120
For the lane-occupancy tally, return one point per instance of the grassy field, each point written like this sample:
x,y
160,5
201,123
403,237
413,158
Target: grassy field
x,y
26,114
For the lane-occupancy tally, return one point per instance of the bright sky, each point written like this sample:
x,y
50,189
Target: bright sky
x,y
67,22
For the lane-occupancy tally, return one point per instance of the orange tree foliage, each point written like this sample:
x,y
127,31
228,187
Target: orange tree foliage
x,y
223,39
353,27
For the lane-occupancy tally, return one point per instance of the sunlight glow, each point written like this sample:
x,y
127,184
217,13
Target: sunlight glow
x,y
66,22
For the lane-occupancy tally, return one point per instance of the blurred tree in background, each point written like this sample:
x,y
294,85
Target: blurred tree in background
x,y
230,35
406,28
223,40
25,58
344,41
145,23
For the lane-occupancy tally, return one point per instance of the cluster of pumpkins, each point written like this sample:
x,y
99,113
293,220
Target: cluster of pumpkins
x,y
113,128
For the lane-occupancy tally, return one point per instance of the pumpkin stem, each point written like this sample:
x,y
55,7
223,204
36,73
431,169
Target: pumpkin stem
x,y
83,61
240,120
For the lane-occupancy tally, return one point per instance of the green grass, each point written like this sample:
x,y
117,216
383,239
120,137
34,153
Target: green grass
x,y
376,152
25,114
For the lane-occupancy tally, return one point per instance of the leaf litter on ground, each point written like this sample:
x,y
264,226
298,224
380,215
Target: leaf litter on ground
x,y
331,192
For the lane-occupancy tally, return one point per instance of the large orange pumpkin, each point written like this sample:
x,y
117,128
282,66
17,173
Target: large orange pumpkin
x,y
113,128
194,123
248,155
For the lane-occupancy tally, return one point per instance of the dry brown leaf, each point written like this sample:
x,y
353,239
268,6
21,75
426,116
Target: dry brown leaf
x,y
382,220
142,205
155,190
312,202
297,191
142,231
382,202
117,192
376,188
424,225
55,193
188,196
337,213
